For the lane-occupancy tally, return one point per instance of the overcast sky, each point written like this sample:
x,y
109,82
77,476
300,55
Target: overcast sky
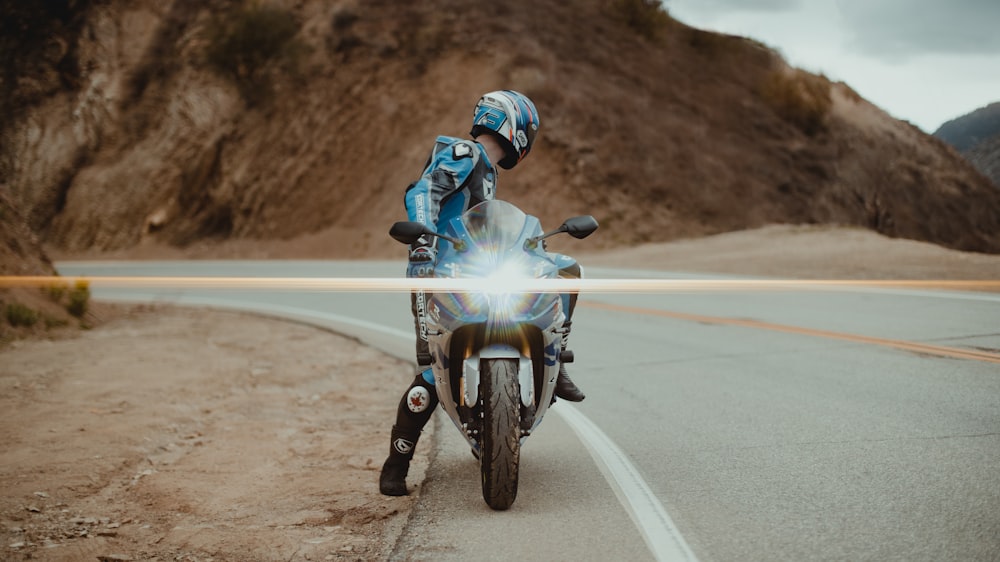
x,y
925,61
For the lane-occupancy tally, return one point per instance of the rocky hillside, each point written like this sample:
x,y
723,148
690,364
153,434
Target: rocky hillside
x,y
177,123
977,136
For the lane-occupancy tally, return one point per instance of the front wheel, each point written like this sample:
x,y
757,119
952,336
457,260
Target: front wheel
x,y
501,445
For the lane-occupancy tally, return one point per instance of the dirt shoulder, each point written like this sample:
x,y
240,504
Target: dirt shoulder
x,y
184,434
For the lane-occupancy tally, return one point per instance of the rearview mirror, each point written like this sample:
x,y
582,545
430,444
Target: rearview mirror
x,y
408,232
577,227
580,227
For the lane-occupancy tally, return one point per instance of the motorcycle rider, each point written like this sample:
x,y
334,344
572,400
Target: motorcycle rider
x,y
459,175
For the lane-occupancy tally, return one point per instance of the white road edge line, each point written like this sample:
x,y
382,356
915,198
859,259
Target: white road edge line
x,y
661,535
658,529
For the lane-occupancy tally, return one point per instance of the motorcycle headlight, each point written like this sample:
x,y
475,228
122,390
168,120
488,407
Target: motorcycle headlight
x,y
508,277
504,285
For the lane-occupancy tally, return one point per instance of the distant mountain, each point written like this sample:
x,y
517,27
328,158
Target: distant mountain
x,y
985,156
967,131
977,136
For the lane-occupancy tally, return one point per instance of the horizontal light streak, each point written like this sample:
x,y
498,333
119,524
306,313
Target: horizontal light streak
x,y
647,286
395,284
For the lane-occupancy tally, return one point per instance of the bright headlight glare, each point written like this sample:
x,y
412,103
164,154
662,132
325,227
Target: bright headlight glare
x,y
503,282
506,279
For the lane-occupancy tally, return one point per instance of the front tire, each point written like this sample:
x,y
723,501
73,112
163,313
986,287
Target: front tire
x,y
501,445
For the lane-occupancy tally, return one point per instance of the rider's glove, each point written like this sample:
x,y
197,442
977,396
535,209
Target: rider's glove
x,y
421,262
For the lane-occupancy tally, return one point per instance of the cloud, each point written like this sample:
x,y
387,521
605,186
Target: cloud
x,y
901,29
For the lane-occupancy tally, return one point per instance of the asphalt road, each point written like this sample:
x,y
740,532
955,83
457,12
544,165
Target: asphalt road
x,y
727,425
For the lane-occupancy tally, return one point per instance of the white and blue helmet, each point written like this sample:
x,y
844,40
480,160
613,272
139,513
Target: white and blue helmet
x,y
512,118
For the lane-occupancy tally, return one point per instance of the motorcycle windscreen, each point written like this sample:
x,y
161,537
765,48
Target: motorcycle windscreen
x,y
496,226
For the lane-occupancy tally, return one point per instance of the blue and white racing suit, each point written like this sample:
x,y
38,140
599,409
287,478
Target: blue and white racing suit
x,y
458,176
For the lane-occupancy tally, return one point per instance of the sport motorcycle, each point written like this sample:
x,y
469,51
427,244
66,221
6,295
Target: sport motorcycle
x,y
495,330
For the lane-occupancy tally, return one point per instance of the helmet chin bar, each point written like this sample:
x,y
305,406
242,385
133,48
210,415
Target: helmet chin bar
x,y
510,154
509,161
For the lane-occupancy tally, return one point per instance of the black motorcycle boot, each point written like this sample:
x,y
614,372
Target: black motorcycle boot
x,y
392,481
565,387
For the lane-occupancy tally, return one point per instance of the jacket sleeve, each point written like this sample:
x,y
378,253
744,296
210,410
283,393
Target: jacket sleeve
x,y
451,163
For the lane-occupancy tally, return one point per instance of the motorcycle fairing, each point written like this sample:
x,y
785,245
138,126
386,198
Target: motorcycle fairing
x,y
462,326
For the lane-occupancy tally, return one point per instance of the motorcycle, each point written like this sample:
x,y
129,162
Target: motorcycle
x,y
495,349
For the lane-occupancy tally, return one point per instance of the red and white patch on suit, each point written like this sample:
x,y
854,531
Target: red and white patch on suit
x,y
418,399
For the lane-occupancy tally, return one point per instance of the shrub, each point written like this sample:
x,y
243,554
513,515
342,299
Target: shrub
x,y
55,291
250,44
645,17
799,97
79,299
19,315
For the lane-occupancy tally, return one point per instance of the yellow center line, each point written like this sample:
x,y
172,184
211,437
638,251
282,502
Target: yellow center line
x,y
940,351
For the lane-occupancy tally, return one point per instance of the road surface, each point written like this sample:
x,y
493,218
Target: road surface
x,y
719,425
